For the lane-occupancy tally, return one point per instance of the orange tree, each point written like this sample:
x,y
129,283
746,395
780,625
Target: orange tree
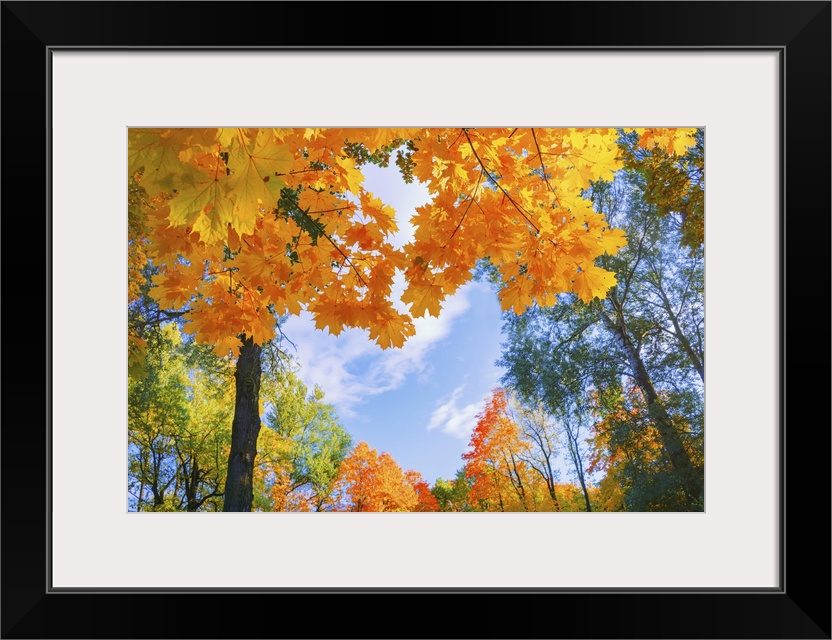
x,y
369,481
243,226
497,463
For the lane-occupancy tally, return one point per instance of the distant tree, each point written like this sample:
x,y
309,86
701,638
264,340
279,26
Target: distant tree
x,y
453,495
368,481
302,448
179,422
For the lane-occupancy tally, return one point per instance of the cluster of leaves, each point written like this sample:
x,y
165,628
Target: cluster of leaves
x,y
245,225
627,450
179,426
369,481
300,452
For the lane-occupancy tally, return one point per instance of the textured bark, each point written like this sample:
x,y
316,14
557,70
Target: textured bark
x,y
244,429
690,479
191,481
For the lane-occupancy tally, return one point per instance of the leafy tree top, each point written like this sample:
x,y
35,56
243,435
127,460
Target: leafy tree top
x,y
246,225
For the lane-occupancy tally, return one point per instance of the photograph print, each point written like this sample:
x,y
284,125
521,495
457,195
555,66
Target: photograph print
x,y
416,319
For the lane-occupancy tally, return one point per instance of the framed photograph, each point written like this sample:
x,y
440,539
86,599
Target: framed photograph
x,y
753,77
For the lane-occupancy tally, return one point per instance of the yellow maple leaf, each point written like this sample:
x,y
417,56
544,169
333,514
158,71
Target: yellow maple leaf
x,y
573,180
684,140
251,198
259,324
256,265
515,295
270,157
212,225
593,282
227,136
195,196
172,289
424,297
391,329
364,235
224,344
576,139
327,315
612,240
383,214
315,201
350,175
253,185
158,154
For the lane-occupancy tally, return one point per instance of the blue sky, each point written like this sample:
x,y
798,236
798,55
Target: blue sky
x,y
418,403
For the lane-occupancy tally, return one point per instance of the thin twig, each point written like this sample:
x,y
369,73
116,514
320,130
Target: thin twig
x,y
499,186
332,242
470,200
542,166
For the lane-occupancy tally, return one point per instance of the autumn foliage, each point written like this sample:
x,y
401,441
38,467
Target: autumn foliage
x,y
493,463
627,451
232,229
504,470
369,481
246,225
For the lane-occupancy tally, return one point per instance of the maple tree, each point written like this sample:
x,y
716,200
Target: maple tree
x,y
425,500
497,462
242,226
369,481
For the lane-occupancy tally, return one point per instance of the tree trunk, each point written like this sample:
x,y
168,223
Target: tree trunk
x,y
579,467
698,363
244,429
550,484
690,479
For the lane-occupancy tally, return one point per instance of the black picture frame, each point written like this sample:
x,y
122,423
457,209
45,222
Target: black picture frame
x,y
799,608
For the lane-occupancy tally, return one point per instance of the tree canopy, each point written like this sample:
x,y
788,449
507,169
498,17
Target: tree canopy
x,y
592,238
246,225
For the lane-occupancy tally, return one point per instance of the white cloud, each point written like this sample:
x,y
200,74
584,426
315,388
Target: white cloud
x,y
455,420
387,184
350,367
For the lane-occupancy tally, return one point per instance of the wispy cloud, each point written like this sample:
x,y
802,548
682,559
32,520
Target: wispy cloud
x,y
350,367
454,420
